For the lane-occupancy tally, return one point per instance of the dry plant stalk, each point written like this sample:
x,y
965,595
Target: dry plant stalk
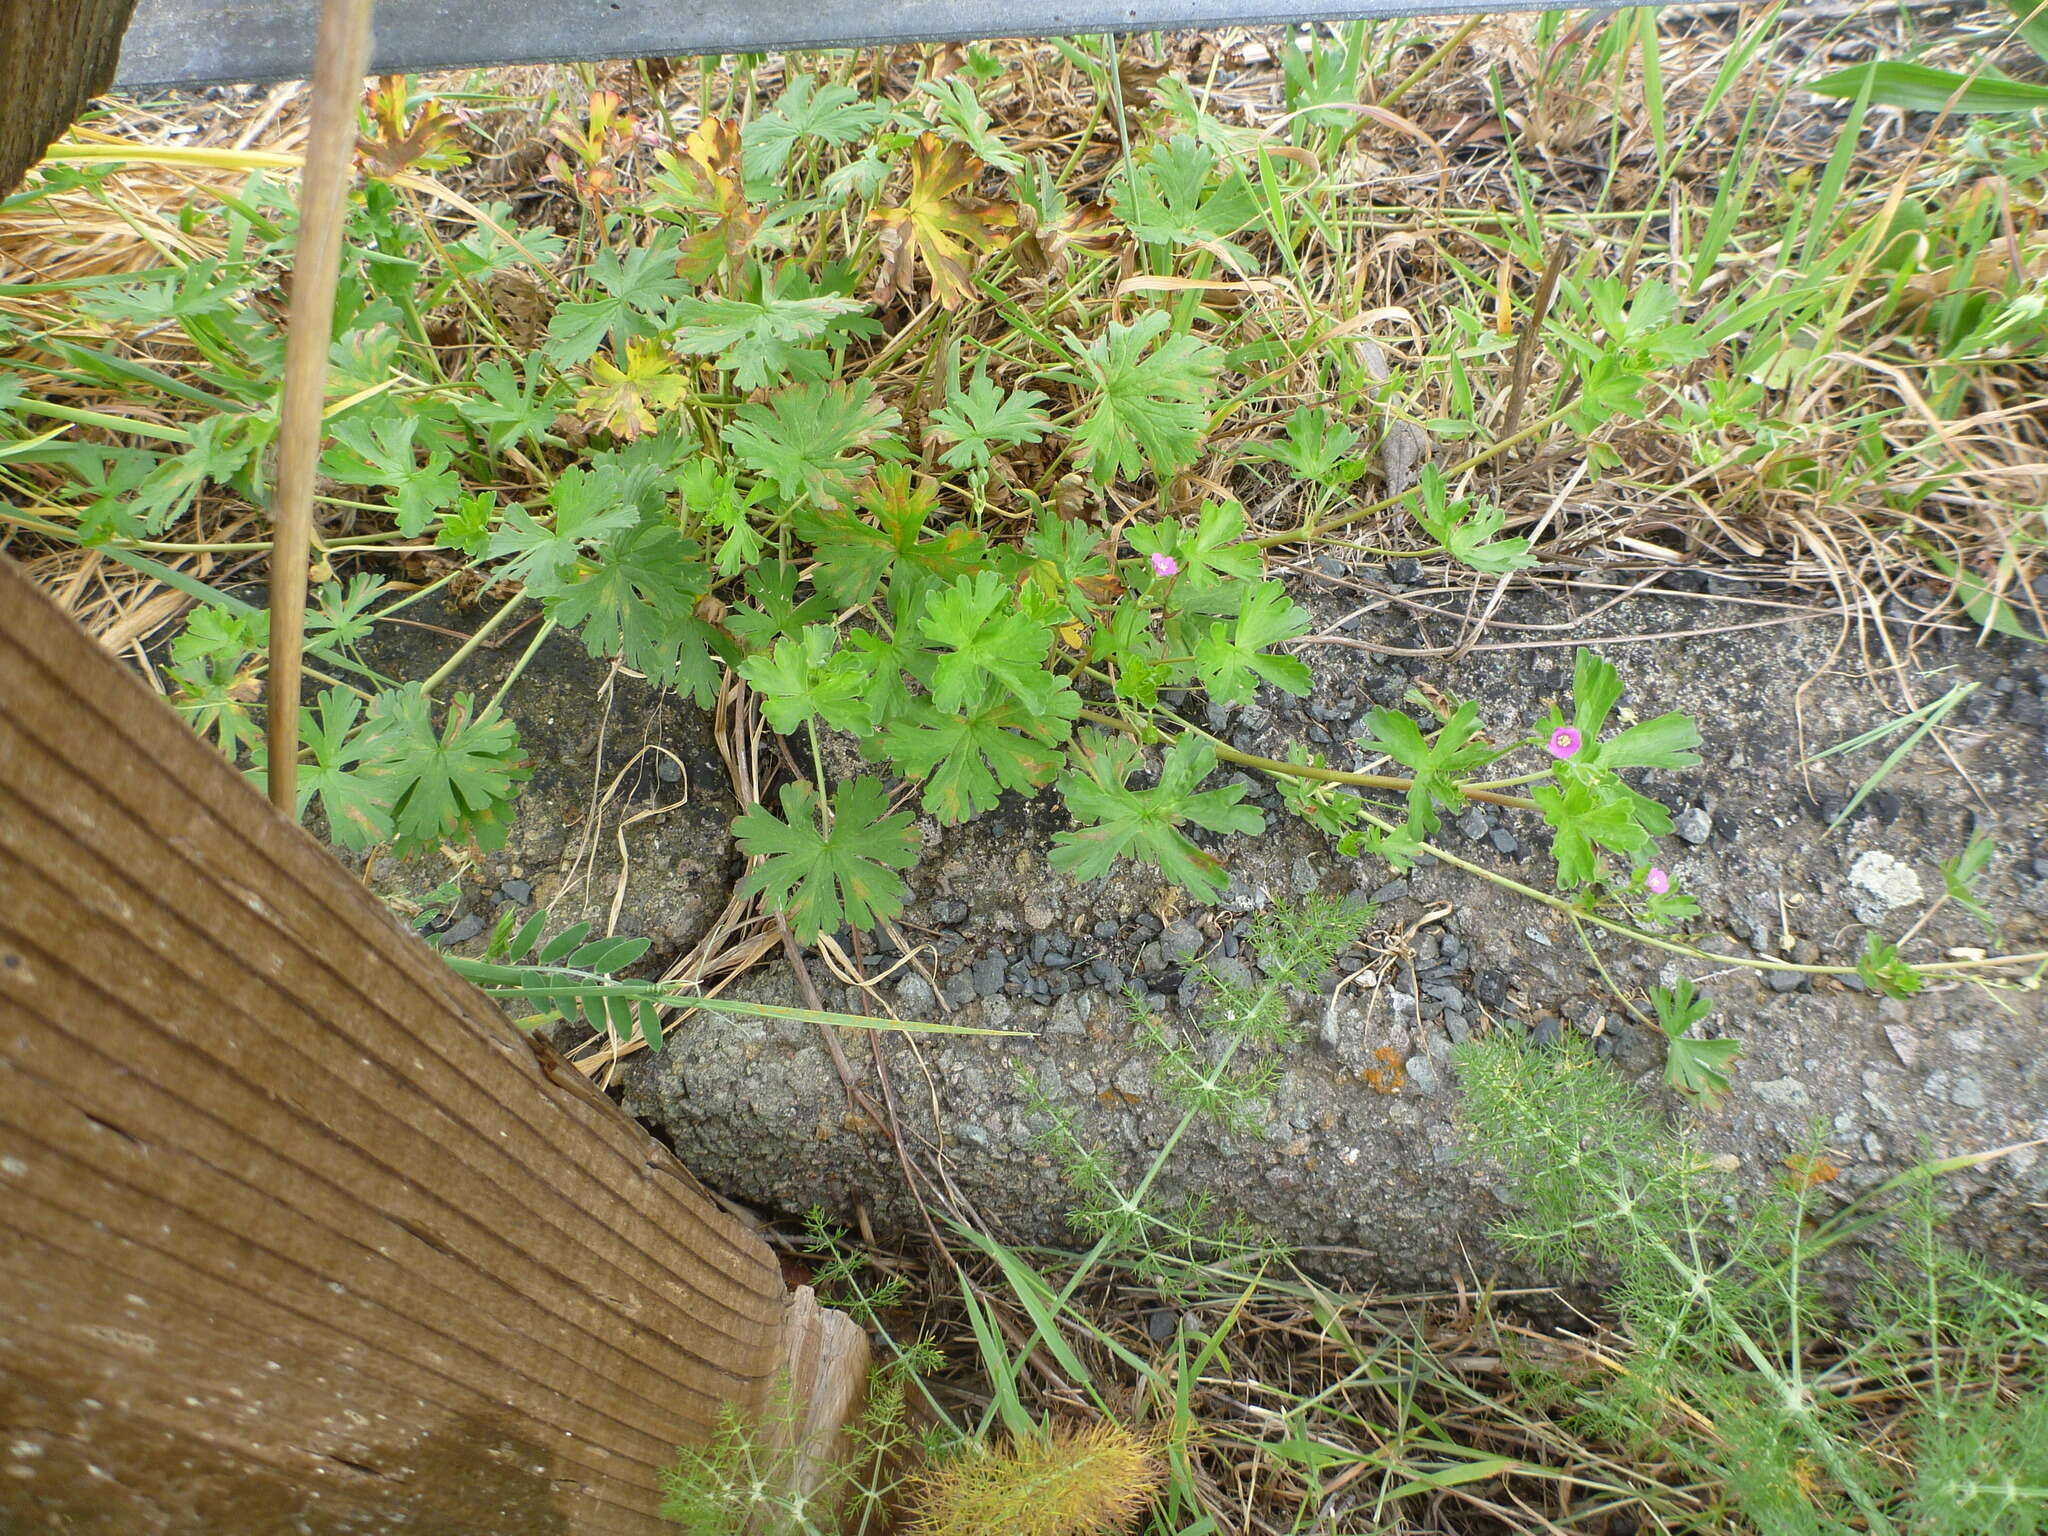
x,y
340,62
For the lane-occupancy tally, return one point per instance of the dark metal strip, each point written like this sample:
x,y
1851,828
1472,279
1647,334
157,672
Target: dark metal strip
x,y
205,42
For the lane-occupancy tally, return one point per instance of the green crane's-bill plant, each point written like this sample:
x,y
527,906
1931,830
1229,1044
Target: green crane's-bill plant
x,y
991,539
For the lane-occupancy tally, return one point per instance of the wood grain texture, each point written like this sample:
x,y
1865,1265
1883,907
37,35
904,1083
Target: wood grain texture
x,y
297,1227
55,56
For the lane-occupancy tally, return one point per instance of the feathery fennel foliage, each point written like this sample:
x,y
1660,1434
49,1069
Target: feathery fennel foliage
x,y
1296,944
1919,1405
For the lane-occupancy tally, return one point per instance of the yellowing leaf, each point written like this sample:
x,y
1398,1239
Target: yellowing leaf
x,y
940,220
430,140
623,401
706,181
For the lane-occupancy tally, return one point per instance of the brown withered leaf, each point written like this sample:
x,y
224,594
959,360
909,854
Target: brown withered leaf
x,y
1808,1171
1041,249
941,220
706,180
1137,82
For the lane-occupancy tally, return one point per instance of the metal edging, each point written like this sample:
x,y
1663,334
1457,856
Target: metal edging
x,y
210,42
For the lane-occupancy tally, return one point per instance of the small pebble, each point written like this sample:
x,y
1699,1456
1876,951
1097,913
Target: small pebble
x,y
668,770
950,912
1694,825
1546,1034
1503,841
1406,570
520,891
464,930
989,973
1474,824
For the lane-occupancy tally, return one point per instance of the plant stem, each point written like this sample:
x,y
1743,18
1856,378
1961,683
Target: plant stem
x,y
532,650
468,648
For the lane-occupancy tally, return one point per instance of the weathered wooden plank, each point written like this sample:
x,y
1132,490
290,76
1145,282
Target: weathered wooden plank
x,y
294,1227
55,55
187,42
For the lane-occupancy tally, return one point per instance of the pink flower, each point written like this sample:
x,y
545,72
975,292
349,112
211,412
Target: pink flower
x,y
1564,742
1165,565
1658,881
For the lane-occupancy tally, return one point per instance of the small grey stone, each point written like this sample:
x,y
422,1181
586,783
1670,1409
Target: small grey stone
x,y
1886,883
972,1134
1397,890
959,989
1491,988
1447,994
989,973
520,891
1785,1092
1905,1044
1303,876
1456,1027
1066,1018
1106,971
1183,941
1422,1073
1784,981
1106,929
948,911
1503,841
668,770
1967,1093
1694,825
1232,973
1546,1034
914,994
1161,1324
465,929
1474,824
1406,570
